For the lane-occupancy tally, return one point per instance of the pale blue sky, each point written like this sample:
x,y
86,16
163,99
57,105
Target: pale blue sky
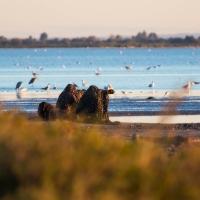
x,y
75,18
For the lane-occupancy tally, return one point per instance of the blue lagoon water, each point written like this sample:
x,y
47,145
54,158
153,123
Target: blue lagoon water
x,y
178,65
171,69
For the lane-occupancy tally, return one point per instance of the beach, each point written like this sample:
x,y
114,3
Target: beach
x,y
146,124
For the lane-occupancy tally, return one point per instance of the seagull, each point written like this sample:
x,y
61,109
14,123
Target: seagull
x,y
34,74
128,67
151,85
55,87
97,73
99,69
109,87
19,84
75,84
33,80
47,87
16,64
193,82
166,93
40,68
84,83
64,67
187,86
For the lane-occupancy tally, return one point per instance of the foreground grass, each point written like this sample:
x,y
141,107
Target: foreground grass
x,y
53,161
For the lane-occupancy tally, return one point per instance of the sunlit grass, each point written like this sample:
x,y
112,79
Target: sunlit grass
x,y
60,160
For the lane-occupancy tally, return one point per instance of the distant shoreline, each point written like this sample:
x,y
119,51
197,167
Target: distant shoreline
x,y
142,39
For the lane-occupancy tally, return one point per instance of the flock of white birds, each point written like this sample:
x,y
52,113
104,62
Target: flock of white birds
x,y
97,73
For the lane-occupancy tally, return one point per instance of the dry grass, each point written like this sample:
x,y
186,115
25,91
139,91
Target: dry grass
x,y
59,160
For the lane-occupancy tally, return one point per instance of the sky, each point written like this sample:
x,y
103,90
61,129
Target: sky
x,y
78,18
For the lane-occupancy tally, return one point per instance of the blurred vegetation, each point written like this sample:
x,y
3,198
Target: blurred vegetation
x,y
60,160
142,39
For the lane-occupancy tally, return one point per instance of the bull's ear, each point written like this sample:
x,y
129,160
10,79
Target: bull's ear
x,y
111,91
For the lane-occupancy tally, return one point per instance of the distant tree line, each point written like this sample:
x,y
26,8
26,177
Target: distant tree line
x,y
142,39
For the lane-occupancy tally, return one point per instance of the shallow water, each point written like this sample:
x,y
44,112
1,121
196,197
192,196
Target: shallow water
x,y
124,104
171,67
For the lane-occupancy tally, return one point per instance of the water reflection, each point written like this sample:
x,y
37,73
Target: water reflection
x,y
21,95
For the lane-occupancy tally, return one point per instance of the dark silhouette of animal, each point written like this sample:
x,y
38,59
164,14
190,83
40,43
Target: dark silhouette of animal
x,y
93,105
46,111
68,100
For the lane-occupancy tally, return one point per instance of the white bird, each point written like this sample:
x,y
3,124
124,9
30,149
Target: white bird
x,y
120,68
194,83
128,67
187,86
97,73
34,74
24,89
109,87
84,83
47,87
55,87
16,64
151,85
19,84
40,68
64,67
99,69
33,80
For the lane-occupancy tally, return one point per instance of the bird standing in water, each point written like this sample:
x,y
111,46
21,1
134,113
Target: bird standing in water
x,y
34,74
84,83
152,86
47,88
19,84
33,80
187,86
